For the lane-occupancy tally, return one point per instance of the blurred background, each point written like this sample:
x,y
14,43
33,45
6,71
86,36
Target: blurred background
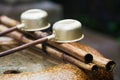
x,y
100,20
101,15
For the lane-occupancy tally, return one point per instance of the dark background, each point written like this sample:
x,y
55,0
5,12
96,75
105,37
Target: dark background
x,y
101,15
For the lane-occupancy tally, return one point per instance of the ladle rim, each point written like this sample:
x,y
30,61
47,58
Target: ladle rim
x,y
70,41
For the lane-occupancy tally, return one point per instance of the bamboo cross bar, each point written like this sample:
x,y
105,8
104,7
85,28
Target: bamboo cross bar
x,y
76,52
10,51
8,21
7,41
18,36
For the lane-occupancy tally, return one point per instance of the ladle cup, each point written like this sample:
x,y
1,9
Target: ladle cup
x,y
64,31
32,20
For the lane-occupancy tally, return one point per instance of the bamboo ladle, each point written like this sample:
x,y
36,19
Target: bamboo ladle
x,y
82,55
51,51
64,31
32,20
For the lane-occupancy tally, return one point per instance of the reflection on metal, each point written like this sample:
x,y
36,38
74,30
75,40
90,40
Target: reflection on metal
x,y
67,30
34,19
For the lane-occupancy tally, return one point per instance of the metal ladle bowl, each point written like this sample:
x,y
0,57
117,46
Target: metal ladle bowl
x,y
64,31
34,19
68,30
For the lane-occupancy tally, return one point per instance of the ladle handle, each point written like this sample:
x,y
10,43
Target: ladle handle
x,y
12,29
10,51
8,31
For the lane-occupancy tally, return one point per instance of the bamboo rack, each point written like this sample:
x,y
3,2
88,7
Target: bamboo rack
x,y
74,48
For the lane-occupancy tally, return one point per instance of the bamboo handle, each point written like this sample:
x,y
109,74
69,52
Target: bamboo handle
x,y
8,31
10,51
8,21
73,51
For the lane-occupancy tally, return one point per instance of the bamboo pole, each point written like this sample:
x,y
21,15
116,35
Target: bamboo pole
x,y
8,21
98,59
7,41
